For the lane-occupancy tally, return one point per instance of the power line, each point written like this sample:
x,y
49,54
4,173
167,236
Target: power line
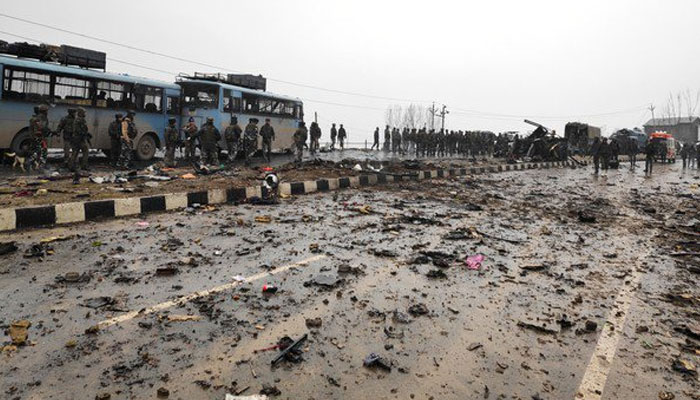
x,y
460,111
108,58
130,47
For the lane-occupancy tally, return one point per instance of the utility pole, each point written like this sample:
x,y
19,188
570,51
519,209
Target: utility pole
x,y
442,114
315,117
432,117
652,108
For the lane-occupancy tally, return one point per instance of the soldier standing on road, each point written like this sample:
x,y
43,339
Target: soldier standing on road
x,y
632,150
115,129
250,139
172,138
65,128
605,153
595,152
334,134
209,137
685,152
376,139
39,131
300,136
387,139
190,143
79,142
694,156
315,133
650,152
232,135
267,132
342,135
128,133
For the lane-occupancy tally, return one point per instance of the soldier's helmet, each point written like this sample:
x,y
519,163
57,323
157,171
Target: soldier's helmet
x,y
234,120
254,120
267,119
72,110
36,109
43,108
210,119
171,119
130,113
191,119
118,116
81,111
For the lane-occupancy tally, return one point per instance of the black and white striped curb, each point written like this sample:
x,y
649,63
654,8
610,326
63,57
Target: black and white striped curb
x,y
66,213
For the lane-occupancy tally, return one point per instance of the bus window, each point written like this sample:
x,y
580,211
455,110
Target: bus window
x,y
152,100
112,95
25,85
200,95
72,90
250,103
173,105
227,100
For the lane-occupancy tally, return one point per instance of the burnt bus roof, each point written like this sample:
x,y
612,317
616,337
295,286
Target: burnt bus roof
x,y
86,73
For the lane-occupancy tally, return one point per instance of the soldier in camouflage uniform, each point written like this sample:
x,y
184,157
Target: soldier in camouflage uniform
x,y
250,141
190,143
315,133
115,132
232,135
65,128
39,131
300,137
267,132
79,141
209,137
172,139
128,134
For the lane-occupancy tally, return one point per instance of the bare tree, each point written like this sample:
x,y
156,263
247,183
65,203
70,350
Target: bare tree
x,y
393,115
691,102
412,116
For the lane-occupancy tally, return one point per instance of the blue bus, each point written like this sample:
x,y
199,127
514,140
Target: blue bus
x,y
27,83
209,96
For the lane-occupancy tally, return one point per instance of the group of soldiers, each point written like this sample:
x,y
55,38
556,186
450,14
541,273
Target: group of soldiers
x,y
76,138
431,143
236,139
208,137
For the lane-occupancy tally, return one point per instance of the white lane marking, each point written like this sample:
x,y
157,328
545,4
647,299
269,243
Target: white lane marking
x,y
158,307
596,375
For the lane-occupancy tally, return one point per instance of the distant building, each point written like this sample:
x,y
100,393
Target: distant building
x,y
684,129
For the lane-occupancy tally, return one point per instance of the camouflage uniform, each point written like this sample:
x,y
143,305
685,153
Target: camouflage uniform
x,y
115,130
79,141
190,142
65,127
300,137
128,134
268,135
209,136
172,138
334,133
232,135
342,135
39,130
250,141
315,133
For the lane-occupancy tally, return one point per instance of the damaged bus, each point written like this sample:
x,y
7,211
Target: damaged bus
x,y
27,83
243,96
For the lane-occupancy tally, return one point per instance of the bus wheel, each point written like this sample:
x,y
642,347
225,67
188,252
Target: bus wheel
x,y
146,148
22,143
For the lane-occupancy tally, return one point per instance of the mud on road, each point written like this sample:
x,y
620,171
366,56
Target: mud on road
x,y
576,287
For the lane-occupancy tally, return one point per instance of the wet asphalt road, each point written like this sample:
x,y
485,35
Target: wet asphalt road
x,y
514,328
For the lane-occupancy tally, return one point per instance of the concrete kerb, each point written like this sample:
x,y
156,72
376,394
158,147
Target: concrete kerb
x,y
66,213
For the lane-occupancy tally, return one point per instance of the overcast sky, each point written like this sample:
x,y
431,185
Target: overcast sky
x,y
491,62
